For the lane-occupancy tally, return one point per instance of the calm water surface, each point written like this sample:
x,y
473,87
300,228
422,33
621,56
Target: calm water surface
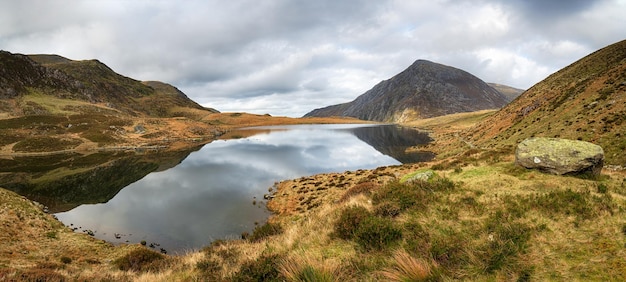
x,y
210,194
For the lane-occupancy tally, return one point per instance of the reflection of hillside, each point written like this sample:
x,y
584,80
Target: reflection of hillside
x,y
394,140
63,182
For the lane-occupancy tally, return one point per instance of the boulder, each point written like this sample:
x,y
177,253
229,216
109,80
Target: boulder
x,y
560,156
420,175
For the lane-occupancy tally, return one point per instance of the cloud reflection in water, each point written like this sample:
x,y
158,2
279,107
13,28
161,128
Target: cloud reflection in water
x,y
210,194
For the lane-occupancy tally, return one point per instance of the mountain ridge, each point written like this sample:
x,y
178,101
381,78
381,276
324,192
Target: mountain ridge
x,y
425,89
90,81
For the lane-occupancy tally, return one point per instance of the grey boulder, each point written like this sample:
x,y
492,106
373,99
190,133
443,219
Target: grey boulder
x,y
560,156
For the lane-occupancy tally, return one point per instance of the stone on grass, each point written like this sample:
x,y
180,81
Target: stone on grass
x,y
418,176
560,156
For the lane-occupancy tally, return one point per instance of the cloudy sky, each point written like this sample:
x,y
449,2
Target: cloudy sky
x,y
287,57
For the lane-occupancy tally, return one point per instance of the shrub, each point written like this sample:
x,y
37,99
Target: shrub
x,y
602,188
349,221
405,195
375,233
263,231
360,188
264,268
139,260
414,194
387,209
450,249
66,260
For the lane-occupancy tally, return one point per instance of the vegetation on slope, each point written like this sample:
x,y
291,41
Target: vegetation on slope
x,y
584,101
479,217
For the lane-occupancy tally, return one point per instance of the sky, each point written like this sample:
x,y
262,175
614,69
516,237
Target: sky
x,y
288,57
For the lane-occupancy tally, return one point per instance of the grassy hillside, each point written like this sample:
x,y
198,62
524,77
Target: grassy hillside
x,y
584,101
478,218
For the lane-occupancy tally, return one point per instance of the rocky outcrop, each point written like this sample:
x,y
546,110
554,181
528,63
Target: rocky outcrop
x,y
560,156
423,90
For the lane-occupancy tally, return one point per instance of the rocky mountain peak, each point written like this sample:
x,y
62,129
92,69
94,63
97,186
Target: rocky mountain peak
x,y
425,89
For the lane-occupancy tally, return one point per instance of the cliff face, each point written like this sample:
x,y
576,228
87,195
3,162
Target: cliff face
x,y
423,90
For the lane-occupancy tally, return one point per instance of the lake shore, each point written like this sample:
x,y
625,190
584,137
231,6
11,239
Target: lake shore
x,y
483,219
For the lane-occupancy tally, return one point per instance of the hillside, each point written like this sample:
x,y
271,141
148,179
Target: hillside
x,y
49,103
92,82
585,100
423,90
509,92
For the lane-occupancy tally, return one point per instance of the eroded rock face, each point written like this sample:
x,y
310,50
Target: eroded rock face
x,y
560,156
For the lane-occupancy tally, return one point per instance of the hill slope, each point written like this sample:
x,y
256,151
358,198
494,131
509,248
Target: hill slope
x,y
509,92
100,89
423,90
585,100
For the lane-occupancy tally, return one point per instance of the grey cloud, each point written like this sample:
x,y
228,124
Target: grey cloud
x,y
288,57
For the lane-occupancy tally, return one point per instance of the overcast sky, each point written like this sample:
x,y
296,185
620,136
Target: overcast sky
x,y
287,57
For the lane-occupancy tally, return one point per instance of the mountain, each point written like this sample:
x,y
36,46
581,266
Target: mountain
x,y
33,85
509,92
423,90
585,100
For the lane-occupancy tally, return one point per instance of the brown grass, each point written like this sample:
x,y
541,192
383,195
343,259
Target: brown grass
x,y
408,268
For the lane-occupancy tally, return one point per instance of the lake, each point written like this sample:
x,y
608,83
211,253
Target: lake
x,y
183,201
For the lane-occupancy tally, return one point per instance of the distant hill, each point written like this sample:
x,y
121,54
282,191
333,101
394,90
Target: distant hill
x,y
585,100
509,92
423,90
33,85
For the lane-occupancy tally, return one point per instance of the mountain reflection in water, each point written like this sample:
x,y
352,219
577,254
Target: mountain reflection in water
x,y
185,200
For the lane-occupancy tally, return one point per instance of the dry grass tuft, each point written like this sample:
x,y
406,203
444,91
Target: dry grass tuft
x,y
408,268
306,269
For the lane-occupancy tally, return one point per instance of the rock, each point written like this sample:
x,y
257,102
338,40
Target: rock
x,y
139,129
419,176
560,156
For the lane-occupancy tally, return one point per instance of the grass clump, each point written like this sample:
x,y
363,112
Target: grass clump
x,y
349,221
369,231
409,268
303,269
139,260
412,194
66,260
583,205
508,238
265,268
266,230
378,234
